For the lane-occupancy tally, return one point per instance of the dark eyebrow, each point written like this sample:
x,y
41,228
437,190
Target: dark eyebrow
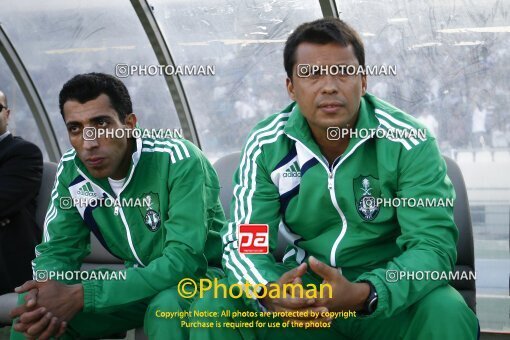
x,y
98,118
92,120
71,124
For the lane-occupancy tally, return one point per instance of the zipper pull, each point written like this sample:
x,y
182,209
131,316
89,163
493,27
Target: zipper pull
x,y
330,181
117,204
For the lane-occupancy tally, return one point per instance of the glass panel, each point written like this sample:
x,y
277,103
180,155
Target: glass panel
x,y
21,121
243,40
57,39
452,73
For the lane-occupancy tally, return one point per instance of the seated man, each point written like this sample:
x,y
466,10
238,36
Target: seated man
x,y
20,179
314,177
150,202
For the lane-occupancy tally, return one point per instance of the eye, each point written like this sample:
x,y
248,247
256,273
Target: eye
x,y
74,130
315,74
102,123
343,75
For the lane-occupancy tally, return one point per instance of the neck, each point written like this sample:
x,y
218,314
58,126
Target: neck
x,y
126,161
331,149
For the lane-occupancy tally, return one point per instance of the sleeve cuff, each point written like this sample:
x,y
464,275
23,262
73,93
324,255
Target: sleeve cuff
x,y
89,296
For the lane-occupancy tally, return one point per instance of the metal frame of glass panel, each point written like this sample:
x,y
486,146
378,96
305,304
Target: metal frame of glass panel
x,y
158,43
328,8
31,95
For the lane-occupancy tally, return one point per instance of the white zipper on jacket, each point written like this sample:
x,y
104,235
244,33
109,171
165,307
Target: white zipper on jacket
x,y
123,218
331,189
118,210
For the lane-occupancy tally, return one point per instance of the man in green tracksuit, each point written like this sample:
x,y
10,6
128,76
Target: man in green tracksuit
x,y
151,202
323,191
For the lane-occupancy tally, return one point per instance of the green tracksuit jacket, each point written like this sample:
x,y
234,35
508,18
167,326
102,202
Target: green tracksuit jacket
x,y
285,182
161,240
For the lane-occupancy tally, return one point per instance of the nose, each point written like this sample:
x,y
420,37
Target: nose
x,y
90,144
330,84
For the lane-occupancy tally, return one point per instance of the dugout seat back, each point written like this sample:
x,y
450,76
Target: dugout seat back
x,y
465,247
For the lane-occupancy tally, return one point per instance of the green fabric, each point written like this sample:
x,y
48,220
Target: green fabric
x,y
318,213
441,314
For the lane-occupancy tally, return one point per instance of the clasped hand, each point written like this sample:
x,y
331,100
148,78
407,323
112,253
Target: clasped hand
x,y
47,309
345,295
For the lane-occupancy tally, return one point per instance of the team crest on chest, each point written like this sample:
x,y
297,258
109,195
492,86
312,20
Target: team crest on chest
x,y
150,211
366,191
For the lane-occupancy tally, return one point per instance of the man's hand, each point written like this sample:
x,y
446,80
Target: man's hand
x,y
29,306
33,317
345,294
56,304
64,301
40,324
290,303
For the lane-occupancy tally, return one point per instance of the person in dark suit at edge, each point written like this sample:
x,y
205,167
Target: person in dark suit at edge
x,y
20,179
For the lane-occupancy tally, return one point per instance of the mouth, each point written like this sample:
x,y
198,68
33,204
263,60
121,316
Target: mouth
x,y
330,106
94,162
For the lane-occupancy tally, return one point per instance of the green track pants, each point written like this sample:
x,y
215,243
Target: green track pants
x,y
442,315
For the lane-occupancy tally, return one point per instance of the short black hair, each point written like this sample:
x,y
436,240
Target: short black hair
x,y
322,31
89,86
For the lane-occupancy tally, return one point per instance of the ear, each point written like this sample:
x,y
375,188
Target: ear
x,y
363,84
290,89
130,120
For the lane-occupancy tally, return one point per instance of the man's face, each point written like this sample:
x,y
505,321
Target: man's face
x,y
104,156
4,116
327,100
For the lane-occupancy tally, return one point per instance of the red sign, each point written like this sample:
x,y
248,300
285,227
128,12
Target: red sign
x,y
253,238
